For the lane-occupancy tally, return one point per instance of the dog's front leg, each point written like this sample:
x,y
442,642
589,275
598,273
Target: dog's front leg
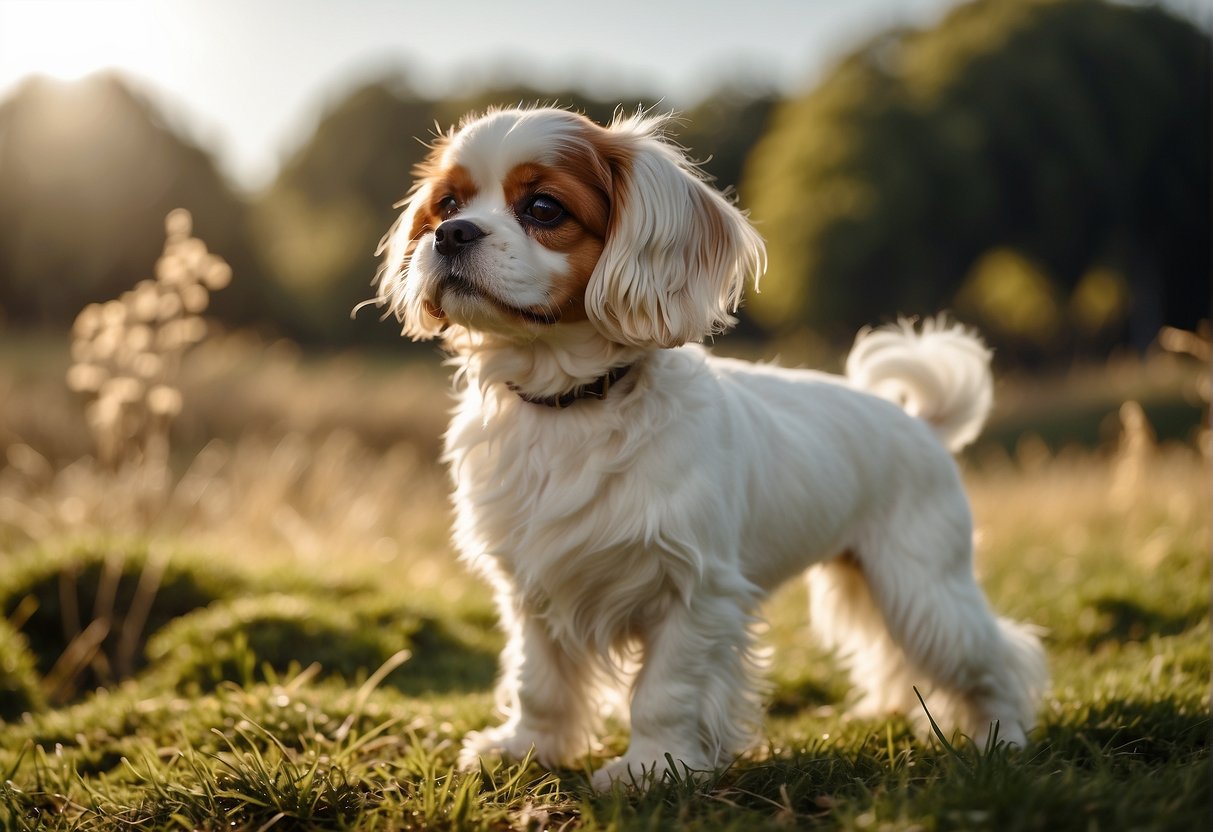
x,y
543,693
695,697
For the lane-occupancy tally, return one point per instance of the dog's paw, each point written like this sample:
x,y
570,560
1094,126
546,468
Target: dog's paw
x,y
514,742
641,771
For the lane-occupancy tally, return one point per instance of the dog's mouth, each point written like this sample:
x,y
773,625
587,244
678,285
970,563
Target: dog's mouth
x,y
457,285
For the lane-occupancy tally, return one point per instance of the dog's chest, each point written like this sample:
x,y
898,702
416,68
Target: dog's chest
x,y
532,490
571,512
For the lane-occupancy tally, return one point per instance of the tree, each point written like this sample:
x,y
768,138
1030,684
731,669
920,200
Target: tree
x,y
1049,152
88,172
318,225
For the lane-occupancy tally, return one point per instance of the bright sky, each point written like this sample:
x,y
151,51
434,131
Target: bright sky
x,y
250,77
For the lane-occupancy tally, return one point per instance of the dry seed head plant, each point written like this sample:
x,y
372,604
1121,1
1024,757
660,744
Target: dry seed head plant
x,y
299,497
301,485
127,352
1198,345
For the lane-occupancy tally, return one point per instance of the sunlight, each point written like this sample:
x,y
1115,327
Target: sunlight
x,y
72,38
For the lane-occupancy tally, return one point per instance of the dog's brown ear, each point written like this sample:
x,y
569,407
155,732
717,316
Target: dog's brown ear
x,y
677,252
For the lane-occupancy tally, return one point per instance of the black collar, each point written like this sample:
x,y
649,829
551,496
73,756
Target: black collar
x,y
596,389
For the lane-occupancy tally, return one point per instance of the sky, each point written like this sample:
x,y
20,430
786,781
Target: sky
x,y
250,78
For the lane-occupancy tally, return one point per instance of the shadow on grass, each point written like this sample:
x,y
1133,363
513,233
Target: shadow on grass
x,y
264,638
86,612
92,616
1128,732
805,695
442,662
1123,619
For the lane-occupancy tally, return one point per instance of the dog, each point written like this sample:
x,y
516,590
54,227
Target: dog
x,y
632,499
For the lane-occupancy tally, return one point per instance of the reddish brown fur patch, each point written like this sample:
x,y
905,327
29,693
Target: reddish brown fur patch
x,y
582,234
607,159
586,179
437,184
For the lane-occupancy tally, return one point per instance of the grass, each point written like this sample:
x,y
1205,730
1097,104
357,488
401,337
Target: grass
x,y
268,629
250,702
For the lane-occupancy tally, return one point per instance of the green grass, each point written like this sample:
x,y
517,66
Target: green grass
x,y
281,638
255,702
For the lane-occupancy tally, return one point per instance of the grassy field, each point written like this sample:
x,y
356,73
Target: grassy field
x,y
253,620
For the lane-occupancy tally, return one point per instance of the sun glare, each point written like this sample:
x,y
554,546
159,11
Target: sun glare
x,y
68,39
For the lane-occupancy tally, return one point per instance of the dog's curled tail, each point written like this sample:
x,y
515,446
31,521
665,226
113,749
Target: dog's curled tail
x,y
939,372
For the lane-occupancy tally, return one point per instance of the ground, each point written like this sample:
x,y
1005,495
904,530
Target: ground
x,y
259,622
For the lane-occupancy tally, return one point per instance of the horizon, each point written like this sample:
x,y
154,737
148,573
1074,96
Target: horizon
x,y
250,82
194,59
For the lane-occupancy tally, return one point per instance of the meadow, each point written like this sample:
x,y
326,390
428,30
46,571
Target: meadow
x,y
232,604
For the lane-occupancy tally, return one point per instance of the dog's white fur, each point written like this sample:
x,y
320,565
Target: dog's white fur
x,y
631,540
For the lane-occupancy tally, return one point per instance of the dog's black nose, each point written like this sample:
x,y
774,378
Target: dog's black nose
x,y
453,235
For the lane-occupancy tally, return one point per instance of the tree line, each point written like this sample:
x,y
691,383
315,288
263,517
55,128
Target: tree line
x,y
1039,167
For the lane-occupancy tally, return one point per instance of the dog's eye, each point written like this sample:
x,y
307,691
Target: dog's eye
x,y
544,210
448,207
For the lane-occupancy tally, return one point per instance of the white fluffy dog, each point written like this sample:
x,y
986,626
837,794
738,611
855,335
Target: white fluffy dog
x,y
633,499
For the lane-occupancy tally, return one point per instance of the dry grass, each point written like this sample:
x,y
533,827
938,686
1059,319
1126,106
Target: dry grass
x,y
270,455
331,462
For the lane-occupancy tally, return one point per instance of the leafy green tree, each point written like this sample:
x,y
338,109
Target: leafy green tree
x,y
1022,159
318,225
722,129
88,171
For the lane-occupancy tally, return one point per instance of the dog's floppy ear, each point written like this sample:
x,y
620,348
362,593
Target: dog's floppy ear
x,y
677,252
400,295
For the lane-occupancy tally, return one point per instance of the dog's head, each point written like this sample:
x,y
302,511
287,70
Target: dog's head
x,y
524,220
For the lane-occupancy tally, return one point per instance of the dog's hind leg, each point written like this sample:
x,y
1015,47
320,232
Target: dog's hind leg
x,y
907,612
846,620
